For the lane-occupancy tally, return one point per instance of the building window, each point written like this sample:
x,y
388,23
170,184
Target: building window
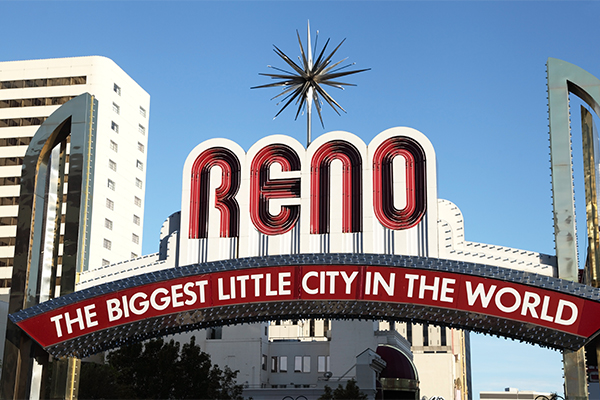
x,y
6,262
27,121
321,367
409,332
7,241
283,364
114,126
141,129
117,89
264,362
214,333
443,336
15,141
5,221
133,255
9,201
142,111
137,201
136,219
139,165
107,244
116,108
35,102
135,238
108,223
111,184
141,147
298,364
105,262
425,334
30,83
112,165
11,161
273,363
306,364
138,183
114,146
10,180
110,204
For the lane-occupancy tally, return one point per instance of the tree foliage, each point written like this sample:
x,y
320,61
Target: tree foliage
x,y
158,370
351,391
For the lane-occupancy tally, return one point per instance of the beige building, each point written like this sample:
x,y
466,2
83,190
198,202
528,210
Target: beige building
x,y
441,355
515,394
32,90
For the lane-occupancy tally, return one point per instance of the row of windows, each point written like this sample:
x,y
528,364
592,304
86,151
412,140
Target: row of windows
x,y
109,224
6,161
6,283
409,334
9,262
15,141
10,241
10,180
117,109
6,262
115,127
113,166
305,386
111,204
107,244
10,122
301,364
7,241
35,102
6,221
9,201
117,90
9,161
43,82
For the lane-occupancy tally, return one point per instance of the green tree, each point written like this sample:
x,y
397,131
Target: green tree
x,y
327,394
350,392
158,370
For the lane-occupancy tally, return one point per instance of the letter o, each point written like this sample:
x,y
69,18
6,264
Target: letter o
x,y
501,306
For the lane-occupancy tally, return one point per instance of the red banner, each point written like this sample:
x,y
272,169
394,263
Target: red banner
x,y
557,311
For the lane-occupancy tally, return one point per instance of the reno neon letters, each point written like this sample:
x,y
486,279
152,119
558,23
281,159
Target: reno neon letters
x,y
316,165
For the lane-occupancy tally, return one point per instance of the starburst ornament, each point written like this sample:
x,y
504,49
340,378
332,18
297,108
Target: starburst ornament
x,y
305,84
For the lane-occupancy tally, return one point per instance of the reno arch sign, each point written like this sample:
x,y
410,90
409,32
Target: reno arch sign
x,y
339,230
339,195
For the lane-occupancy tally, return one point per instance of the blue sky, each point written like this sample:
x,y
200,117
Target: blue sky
x,y
469,75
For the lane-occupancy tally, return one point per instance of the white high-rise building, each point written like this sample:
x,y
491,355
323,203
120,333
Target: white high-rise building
x,y
32,90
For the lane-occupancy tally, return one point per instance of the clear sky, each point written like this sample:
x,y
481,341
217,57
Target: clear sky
x,y
470,75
